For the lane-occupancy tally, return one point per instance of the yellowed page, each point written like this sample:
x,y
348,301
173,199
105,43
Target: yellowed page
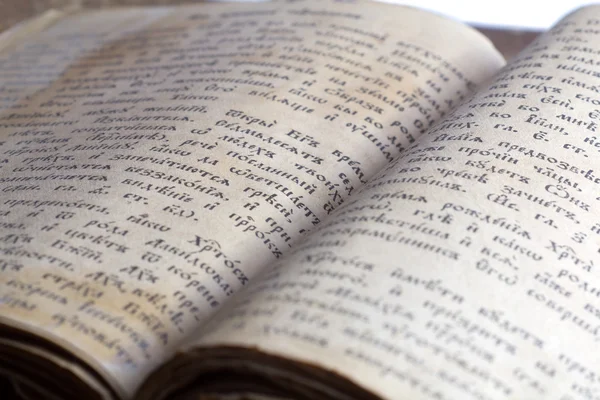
x,y
468,269
153,161
22,31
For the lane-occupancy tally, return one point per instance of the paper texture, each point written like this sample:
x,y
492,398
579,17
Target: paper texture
x,y
466,269
155,160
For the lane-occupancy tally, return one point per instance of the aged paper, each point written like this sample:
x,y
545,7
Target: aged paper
x,y
20,32
469,268
154,160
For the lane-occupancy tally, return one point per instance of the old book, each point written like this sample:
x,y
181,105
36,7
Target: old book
x,y
297,200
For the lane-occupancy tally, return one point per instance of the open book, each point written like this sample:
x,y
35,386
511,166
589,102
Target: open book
x,y
297,200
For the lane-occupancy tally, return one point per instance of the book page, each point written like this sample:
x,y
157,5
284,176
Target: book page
x,y
154,160
469,268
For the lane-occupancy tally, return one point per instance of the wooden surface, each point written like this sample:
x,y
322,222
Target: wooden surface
x,y
509,42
